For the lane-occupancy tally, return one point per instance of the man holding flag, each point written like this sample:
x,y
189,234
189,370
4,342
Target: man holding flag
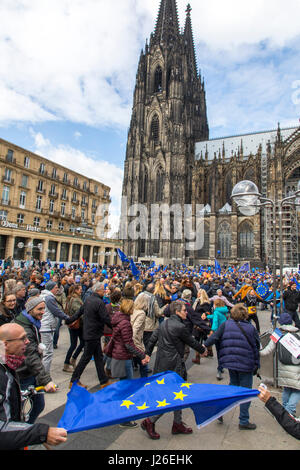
x,y
171,338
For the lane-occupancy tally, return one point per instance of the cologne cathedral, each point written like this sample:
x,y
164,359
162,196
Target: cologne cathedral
x,y
170,161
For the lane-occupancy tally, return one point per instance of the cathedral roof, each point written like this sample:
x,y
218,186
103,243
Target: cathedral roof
x,y
226,147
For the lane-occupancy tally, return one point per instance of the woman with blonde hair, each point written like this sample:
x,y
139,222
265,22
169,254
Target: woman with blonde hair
x,y
138,321
161,294
201,327
137,289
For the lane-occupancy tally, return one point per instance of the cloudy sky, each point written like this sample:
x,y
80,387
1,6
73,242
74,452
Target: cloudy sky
x,y
68,70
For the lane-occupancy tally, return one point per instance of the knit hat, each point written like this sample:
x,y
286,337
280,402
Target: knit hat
x,y
285,319
33,302
33,292
50,285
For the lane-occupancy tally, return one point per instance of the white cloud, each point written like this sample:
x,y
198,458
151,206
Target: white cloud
x,y
76,60
102,171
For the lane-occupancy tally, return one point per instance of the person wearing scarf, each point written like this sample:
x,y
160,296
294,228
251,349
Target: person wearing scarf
x,y
15,434
251,300
32,371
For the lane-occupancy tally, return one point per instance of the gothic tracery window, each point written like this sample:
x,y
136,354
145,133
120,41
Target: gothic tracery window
x,y
246,241
159,185
224,240
154,132
158,75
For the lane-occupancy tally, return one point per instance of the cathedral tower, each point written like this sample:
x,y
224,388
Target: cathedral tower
x,y
168,117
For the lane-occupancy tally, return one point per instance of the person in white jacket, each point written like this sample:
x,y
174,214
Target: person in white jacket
x,y
288,368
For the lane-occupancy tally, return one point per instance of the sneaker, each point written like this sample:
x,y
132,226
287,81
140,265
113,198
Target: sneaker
x,y
248,426
219,375
220,420
130,424
68,368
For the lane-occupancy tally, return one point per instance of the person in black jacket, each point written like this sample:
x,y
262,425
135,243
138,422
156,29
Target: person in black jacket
x,y
291,299
290,424
171,338
94,318
15,434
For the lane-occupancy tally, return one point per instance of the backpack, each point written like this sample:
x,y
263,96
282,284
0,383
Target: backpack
x,y
285,357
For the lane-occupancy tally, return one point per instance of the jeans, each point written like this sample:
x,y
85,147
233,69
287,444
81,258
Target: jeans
x,y
242,379
56,333
47,340
75,335
129,370
92,348
290,399
38,401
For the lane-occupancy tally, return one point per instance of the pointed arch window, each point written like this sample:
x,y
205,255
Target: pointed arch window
x,y
160,185
158,77
228,189
246,241
145,187
154,132
204,252
224,240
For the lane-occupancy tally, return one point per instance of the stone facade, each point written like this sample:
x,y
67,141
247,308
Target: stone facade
x,y
48,211
170,160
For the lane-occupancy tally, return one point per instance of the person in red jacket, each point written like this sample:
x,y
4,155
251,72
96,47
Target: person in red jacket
x,y
123,347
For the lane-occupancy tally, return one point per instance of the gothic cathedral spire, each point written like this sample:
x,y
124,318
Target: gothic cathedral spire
x,y
167,25
168,118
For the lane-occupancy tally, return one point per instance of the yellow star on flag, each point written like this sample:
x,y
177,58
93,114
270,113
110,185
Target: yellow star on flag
x,y
179,396
186,385
162,403
161,382
147,384
127,403
143,407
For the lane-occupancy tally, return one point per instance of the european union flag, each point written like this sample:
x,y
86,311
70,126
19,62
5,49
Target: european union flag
x,y
134,270
245,268
217,268
122,256
128,400
262,290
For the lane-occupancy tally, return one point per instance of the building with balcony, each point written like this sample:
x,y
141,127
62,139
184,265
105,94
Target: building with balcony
x,y
50,212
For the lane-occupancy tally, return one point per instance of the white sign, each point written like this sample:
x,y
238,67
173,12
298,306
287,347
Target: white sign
x,y
6,224
292,344
29,228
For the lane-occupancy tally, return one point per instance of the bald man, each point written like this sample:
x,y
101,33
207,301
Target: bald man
x,y
14,433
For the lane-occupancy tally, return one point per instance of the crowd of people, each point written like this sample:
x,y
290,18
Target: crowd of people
x,y
117,319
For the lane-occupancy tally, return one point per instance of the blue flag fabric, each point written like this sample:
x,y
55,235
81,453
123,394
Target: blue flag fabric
x,y
217,268
122,256
134,270
245,268
262,290
128,400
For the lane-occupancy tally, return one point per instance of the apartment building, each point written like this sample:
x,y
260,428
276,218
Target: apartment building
x,y
48,211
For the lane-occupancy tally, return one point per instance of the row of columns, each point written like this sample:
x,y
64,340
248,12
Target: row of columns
x,y
102,258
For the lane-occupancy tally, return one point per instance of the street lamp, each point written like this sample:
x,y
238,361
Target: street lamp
x,y
249,201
